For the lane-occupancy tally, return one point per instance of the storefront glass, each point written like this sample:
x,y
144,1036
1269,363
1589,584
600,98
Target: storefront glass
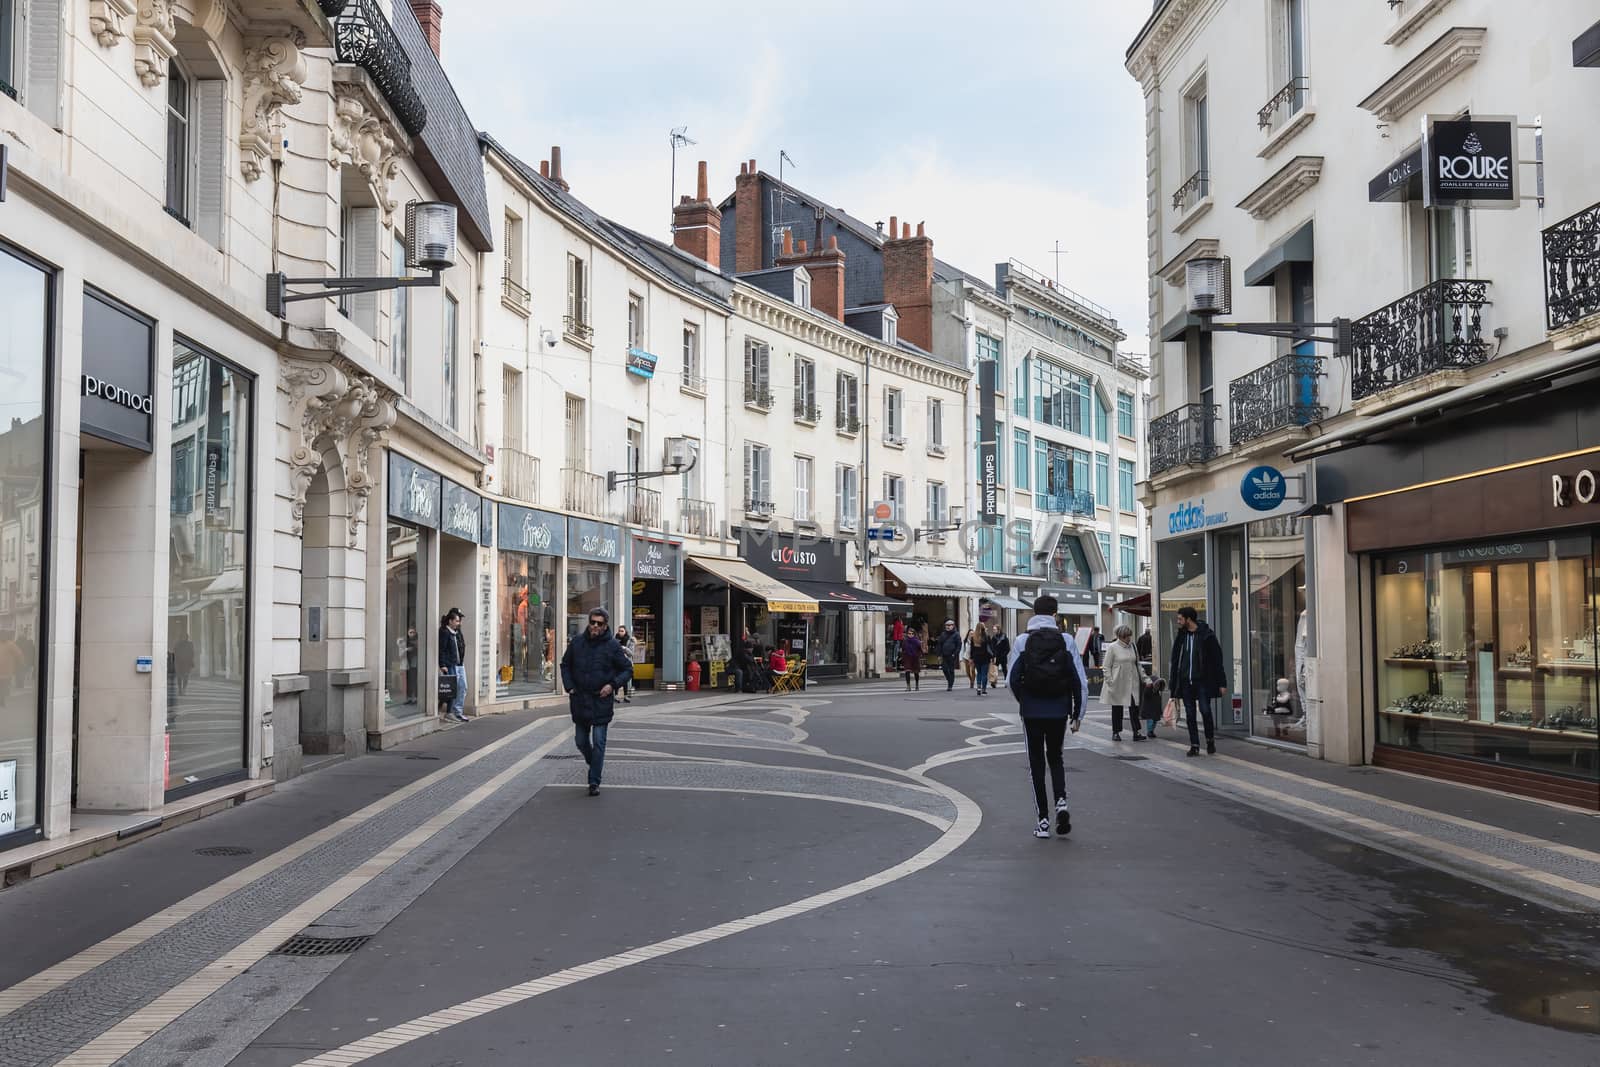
x,y
589,586
1488,651
1277,629
209,581
527,638
1227,619
1181,578
405,562
827,645
24,360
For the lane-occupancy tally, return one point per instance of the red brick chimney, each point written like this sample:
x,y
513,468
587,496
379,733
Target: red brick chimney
x,y
555,169
748,222
430,16
825,264
697,224
908,281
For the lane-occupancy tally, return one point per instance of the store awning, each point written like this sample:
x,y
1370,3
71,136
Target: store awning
x,y
1011,603
841,595
1191,592
229,581
779,597
1298,247
932,579
1139,605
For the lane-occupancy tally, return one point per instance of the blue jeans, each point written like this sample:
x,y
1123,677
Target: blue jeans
x,y
591,741
1194,700
461,690
982,667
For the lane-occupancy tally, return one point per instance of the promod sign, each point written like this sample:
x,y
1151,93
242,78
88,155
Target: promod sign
x,y
1470,161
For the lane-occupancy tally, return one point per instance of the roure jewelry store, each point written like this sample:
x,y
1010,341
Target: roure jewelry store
x,y
1480,578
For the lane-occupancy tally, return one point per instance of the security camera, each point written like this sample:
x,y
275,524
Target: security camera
x,y
967,321
549,337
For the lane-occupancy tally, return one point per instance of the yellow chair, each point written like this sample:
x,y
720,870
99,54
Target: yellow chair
x,y
792,680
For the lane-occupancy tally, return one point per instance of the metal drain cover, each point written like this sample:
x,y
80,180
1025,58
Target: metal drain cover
x,y
562,755
1131,759
422,757
307,945
224,850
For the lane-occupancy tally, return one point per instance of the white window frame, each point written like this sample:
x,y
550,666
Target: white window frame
x,y
400,316
936,425
804,483
894,493
891,330
757,474
757,372
577,289
847,495
635,320
847,400
692,376
802,289
894,416
450,314
938,499
805,387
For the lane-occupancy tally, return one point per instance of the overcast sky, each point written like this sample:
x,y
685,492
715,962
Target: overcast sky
x,y
1007,125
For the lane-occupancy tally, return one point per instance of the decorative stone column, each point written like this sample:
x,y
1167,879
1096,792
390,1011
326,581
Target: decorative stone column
x,y
153,31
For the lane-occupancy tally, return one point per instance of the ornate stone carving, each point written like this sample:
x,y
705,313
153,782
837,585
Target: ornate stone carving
x,y
108,20
338,409
274,70
153,31
359,137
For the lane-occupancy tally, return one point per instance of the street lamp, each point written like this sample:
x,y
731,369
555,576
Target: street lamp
x,y
957,512
1210,293
680,458
430,244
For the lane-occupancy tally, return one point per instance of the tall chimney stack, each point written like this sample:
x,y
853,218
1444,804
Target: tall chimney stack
x,y
555,169
430,16
749,220
697,224
825,264
908,282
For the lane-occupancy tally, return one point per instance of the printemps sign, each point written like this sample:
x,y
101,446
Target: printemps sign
x,y
1470,161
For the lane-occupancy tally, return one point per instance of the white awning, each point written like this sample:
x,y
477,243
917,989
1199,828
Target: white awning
x,y
779,597
1000,600
933,579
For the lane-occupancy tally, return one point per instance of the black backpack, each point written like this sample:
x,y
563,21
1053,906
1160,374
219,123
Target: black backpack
x,y
1046,663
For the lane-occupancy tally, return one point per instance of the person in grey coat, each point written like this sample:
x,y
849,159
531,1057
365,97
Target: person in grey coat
x,y
593,669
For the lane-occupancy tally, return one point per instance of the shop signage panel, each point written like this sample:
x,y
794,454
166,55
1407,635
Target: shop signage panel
x,y
8,796
641,363
118,403
1263,488
795,555
656,560
1071,596
522,529
462,513
413,492
485,522
1400,180
1470,161
1236,499
988,444
597,541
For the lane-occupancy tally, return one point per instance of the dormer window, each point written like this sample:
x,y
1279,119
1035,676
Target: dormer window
x,y
891,330
802,288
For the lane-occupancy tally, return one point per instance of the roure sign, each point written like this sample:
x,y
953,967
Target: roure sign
x,y
1470,161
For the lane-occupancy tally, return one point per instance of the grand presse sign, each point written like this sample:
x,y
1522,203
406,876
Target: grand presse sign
x,y
1470,161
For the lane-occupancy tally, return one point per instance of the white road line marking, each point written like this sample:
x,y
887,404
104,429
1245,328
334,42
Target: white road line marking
x,y
968,817
932,820
31,988
961,755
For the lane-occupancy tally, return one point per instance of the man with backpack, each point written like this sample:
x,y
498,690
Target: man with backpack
x,y
1046,679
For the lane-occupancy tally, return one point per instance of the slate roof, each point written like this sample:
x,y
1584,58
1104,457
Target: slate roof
x,y
447,148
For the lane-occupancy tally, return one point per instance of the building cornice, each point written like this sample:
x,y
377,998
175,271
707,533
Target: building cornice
x,y
1164,24
1456,49
1283,188
989,300
1411,21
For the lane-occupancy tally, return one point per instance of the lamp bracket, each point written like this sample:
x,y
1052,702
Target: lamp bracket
x,y
278,293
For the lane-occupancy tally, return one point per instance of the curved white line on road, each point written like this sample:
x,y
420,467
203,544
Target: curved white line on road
x,y
961,755
968,817
932,820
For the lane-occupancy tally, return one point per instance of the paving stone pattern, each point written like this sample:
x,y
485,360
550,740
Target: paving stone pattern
x,y
63,1020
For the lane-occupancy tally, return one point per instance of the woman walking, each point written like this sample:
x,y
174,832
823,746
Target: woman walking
x,y
1124,683
982,656
631,647
966,658
911,659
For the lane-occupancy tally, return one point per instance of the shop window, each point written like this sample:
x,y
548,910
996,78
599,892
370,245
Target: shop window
x,y
26,312
1279,629
589,586
1180,581
526,637
1488,652
209,585
405,562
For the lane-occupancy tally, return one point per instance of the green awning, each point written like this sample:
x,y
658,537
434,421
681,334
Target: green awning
x,y
1298,247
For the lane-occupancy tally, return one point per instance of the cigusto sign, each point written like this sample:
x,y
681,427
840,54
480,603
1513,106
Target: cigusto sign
x,y
795,556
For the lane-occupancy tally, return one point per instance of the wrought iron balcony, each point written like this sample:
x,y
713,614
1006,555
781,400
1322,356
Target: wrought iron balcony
x,y
693,383
1439,327
806,411
757,396
1282,394
1183,435
1068,502
5,87
757,508
577,328
1572,269
894,440
1291,98
1191,192
361,35
515,296
644,507
698,517
332,8
582,491
519,474
847,424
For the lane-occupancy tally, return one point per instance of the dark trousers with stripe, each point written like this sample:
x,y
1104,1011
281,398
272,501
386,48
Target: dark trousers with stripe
x,y
1045,737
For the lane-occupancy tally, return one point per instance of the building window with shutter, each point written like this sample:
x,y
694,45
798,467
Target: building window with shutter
x,y
400,319
802,489
936,426
847,403
180,141
894,493
452,361
938,511
30,56
757,374
635,320
757,479
805,390
693,379
847,496
894,428
577,317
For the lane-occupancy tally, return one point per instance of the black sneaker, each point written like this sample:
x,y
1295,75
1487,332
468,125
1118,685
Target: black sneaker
x,y
1116,737
1043,829
594,790
1063,818
1193,751
1211,748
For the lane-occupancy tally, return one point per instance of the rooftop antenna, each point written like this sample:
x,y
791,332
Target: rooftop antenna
x,y
679,138
1058,253
781,223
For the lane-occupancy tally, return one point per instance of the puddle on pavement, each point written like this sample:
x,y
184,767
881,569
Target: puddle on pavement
x,y
1533,963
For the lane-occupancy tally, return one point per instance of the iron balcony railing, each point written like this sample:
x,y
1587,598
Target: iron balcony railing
x,y
758,508
1067,502
1572,269
515,294
5,87
361,35
576,327
1291,97
519,474
1191,192
1438,327
1282,394
806,411
332,8
698,517
644,507
582,491
1183,435
694,383
757,396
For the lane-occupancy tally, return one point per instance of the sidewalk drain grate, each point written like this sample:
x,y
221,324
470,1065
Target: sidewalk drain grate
x,y
224,850
306,945
1131,759
422,757
564,755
